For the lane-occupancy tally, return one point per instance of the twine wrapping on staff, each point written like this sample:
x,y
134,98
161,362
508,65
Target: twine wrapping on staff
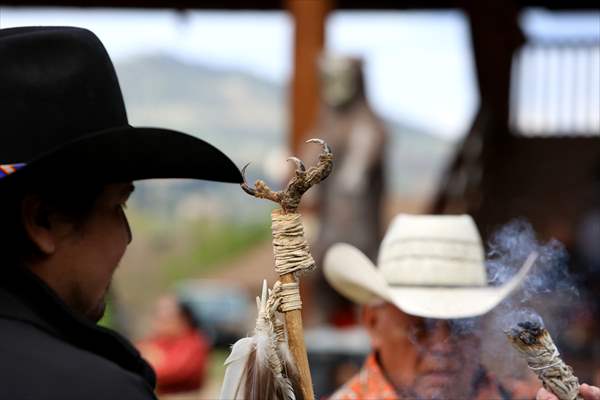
x,y
292,259
291,250
266,321
289,293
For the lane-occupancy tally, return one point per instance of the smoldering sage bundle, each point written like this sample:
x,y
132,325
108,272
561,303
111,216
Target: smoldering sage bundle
x,y
535,344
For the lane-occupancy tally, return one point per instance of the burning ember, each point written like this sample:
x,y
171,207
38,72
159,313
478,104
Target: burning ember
x,y
535,344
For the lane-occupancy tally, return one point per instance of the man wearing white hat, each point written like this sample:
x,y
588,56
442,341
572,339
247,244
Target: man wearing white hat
x,y
421,305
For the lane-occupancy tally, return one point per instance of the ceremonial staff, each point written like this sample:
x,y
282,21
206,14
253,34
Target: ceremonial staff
x,y
261,367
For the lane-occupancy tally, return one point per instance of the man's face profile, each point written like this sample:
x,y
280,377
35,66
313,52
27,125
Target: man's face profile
x,y
428,359
80,257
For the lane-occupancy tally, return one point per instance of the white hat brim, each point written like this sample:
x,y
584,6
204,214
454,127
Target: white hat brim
x,y
354,276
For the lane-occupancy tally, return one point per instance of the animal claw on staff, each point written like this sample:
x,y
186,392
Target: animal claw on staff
x,y
260,189
303,179
326,148
299,164
250,190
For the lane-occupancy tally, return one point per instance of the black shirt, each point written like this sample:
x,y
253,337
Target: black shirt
x,y
47,352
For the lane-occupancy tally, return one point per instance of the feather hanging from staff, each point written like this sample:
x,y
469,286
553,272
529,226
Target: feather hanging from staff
x,y
261,367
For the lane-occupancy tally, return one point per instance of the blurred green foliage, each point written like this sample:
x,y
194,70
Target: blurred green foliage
x,y
216,368
106,320
210,243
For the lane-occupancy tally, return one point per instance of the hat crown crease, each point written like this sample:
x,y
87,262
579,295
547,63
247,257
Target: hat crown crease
x,y
430,266
440,251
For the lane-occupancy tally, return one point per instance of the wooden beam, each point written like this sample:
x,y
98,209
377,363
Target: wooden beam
x,y
276,5
495,36
309,18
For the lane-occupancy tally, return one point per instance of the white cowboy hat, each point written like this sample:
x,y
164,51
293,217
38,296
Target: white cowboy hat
x,y
430,266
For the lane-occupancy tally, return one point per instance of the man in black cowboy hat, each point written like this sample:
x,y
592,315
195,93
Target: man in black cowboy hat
x,y
67,160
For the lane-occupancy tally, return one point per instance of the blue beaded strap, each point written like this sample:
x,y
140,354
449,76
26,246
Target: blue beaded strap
x,y
7,169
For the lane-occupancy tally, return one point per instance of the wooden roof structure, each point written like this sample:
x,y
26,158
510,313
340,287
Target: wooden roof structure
x,y
496,174
275,5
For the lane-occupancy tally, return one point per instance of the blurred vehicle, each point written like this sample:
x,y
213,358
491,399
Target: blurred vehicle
x,y
224,310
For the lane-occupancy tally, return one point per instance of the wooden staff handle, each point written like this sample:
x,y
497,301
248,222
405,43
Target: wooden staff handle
x,y
293,321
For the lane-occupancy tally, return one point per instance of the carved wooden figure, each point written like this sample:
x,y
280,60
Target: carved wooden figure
x,y
349,203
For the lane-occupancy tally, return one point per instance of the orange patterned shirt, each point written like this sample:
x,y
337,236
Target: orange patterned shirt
x,y
370,384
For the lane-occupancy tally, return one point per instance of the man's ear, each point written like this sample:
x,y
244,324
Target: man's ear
x,y
36,222
370,317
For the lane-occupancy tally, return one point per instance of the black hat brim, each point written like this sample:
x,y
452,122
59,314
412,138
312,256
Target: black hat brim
x,y
127,154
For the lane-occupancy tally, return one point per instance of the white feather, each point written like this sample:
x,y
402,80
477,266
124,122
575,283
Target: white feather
x,y
289,390
272,360
289,367
233,383
286,358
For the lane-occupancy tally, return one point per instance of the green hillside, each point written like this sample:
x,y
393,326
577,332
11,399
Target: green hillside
x,y
247,116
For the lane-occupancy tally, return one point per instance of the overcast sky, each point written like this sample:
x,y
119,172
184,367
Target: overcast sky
x,y
418,64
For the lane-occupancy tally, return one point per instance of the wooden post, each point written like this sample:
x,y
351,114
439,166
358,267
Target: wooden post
x,y
309,38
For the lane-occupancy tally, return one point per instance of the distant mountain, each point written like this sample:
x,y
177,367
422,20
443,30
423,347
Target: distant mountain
x,y
248,117
230,109
415,160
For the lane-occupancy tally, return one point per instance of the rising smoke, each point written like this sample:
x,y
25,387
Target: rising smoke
x,y
547,294
511,245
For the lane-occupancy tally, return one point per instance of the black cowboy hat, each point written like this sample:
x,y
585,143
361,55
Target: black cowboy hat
x,y
62,117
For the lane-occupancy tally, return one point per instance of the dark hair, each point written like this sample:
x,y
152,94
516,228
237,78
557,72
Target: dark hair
x,y
72,201
188,314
